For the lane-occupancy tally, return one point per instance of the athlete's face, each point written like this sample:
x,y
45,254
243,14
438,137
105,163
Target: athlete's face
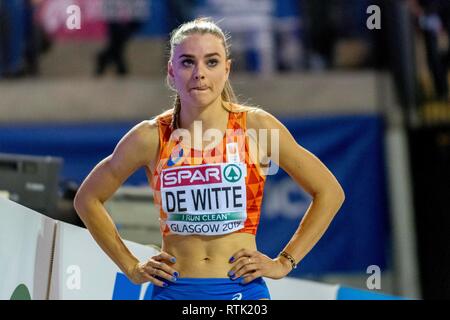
x,y
199,69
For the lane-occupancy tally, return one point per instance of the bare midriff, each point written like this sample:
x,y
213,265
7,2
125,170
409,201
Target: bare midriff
x,y
206,256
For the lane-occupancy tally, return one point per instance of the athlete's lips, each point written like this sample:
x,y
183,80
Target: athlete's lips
x,y
200,88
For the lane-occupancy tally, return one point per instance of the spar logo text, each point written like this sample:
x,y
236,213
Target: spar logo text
x,y
205,188
192,176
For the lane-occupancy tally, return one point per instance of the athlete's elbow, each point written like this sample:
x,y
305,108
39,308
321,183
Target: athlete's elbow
x,y
338,199
78,203
340,194
333,197
336,192
81,203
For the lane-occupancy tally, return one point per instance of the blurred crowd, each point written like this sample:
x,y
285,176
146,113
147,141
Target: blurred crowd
x,y
17,21
432,19
267,35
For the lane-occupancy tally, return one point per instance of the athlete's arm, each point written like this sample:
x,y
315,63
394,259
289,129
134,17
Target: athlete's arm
x,y
311,175
136,149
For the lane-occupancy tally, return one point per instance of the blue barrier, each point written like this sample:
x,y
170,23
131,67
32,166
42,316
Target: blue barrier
x,y
347,293
124,289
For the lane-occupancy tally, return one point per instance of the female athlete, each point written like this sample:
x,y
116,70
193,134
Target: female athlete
x,y
209,194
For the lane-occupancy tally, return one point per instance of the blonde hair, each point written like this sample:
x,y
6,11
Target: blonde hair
x,y
199,26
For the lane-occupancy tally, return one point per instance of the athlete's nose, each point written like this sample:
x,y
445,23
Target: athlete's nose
x,y
198,73
197,77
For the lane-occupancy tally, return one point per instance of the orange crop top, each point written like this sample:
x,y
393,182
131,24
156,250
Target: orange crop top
x,y
214,192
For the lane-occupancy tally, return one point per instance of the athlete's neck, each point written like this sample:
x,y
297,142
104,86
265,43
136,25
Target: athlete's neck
x,y
213,116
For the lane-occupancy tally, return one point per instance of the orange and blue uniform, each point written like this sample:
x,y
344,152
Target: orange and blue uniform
x,y
216,191
211,192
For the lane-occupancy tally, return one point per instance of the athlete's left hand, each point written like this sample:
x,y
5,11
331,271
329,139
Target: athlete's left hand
x,y
252,264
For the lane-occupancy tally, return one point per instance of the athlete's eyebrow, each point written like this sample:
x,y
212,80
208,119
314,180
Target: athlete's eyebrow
x,y
185,55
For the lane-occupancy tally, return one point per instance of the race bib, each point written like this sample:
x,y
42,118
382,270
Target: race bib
x,y
206,199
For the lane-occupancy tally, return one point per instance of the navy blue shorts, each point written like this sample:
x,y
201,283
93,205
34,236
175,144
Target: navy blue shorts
x,y
212,289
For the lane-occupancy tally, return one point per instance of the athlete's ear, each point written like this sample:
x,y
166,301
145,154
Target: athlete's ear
x,y
228,67
170,69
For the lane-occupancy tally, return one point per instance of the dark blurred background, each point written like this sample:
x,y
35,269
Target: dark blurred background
x,y
362,84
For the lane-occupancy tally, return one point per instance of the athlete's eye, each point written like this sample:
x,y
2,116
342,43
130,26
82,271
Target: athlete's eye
x,y
190,62
213,62
187,62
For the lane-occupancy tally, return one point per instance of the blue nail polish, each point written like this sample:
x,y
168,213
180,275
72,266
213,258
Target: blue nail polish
x,y
176,274
174,278
165,284
231,273
231,259
173,260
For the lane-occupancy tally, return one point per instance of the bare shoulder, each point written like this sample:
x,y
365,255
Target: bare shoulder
x,y
235,107
144,133
134,150
258,118
140,142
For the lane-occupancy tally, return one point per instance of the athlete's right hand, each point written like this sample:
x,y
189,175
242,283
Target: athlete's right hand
x,y
155,268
